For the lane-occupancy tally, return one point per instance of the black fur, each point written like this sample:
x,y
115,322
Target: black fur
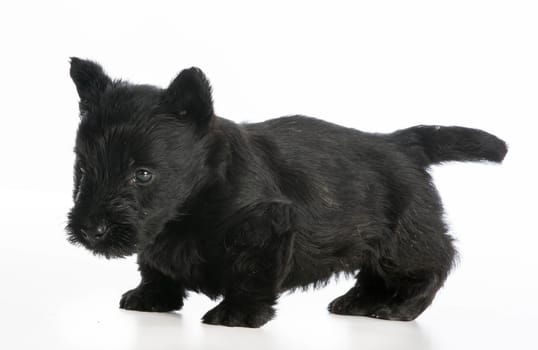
x,y
248,211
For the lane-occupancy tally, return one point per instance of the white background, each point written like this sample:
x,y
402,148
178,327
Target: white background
x,y
375,66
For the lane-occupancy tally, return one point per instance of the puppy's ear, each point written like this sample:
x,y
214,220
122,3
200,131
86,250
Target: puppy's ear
x,y
189,97
90,80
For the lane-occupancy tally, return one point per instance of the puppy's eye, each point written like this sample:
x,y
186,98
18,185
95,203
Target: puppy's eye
x,y
143,176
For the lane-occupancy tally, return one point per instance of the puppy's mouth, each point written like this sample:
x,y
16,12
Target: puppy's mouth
x,y
116,242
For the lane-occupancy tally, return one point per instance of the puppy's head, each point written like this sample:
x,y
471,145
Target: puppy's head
x,y
140,154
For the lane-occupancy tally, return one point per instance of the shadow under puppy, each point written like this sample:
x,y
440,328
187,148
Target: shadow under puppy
x,y
247,211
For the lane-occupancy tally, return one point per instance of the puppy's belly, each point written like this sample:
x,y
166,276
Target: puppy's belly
x,y
309,269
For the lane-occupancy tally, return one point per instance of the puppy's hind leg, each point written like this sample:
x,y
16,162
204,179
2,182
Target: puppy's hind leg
x,y
400,298
156,292
401,286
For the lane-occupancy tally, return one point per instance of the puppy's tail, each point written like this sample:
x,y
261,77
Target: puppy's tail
x,y
435,144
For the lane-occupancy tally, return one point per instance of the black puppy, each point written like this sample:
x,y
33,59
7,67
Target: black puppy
x,y
248,211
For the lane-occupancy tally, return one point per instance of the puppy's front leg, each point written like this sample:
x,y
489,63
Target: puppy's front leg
x,y
258,256
241,310
156,292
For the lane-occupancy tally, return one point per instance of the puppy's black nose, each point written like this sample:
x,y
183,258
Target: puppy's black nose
x,y
94,234
101,231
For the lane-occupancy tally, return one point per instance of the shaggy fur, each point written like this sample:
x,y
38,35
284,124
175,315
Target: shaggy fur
x,y
248,211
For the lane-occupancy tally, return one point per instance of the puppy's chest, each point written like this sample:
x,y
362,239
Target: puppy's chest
x,y
186,260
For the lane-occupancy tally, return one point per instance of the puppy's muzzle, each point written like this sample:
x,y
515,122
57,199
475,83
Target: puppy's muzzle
x,y
94,234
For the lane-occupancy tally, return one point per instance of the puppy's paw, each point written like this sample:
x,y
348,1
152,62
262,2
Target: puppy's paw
x,y
341,305
347,305
350,304
140,299
233,315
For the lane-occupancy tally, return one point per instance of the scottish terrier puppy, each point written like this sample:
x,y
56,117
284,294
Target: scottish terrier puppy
x,y
248,211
